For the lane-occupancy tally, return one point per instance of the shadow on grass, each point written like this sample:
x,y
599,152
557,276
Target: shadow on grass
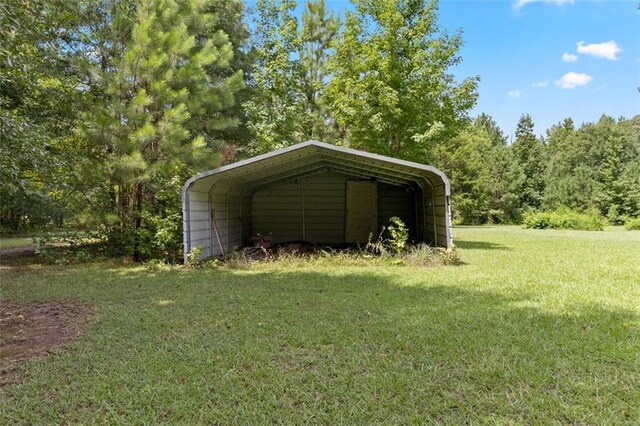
x,y
289,346
479,245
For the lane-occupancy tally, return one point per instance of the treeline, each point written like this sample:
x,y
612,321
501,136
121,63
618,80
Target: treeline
x,y
594,168
107,106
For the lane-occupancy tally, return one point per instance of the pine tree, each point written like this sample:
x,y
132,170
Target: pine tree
x,y
570,180
529,154
505,176
163,104
319,30
496,135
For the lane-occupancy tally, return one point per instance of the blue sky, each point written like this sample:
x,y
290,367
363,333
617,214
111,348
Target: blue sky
x,y
517,48
551,59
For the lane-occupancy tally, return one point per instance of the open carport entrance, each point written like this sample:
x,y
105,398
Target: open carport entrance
x,y
313,192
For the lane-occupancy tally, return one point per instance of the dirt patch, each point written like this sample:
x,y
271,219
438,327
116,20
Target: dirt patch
x,y
13,253
34,329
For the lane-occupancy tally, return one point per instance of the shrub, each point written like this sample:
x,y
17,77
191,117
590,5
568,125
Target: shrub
x,y
66,247
396,243
563,219
399,234
633,224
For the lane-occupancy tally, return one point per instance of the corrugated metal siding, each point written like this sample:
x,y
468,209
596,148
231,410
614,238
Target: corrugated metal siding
x,y
278,210
324,207
441,214
198,218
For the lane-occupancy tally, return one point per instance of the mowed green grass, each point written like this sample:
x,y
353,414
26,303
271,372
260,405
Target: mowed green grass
x,y
15,242
538,327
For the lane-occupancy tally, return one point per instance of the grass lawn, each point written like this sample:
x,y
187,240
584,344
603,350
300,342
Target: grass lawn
x,y
15,242
538,327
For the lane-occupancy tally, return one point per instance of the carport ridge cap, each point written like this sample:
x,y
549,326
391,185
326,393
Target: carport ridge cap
x,y
321,145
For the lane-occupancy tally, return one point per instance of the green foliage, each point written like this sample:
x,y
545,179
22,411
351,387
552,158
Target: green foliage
x,y
632,224
398,234
391,66
529,155
37,91
318,33
595,166
107,106
165,101
563,219
194,255
276,111
483,175
69,246
394,244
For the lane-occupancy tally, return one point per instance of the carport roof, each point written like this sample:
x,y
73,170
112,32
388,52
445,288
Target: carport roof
x,y
311,157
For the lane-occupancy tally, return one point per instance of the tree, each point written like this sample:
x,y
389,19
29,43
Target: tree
x,y
163,102
276,111
484,179
463,158
37,94
390,90
495,133
506,176
529,154
617,159
230,18
569,174
319,30
595,167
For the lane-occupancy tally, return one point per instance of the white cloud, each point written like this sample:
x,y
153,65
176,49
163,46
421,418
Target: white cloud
x,y
568,57
514,93
571,80
519,4
538,84
608,50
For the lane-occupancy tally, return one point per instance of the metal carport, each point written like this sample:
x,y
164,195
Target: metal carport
x,y
223,207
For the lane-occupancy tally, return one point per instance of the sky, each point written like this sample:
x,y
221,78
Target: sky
x,y
551,59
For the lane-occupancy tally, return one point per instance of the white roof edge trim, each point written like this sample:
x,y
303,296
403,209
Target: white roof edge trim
x,y
322,145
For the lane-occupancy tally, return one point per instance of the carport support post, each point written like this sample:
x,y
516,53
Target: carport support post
x,y
304,228
215,227
212,220
449,229
186,225
435,223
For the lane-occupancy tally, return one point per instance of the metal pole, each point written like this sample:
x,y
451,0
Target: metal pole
x,y
304,230
215,227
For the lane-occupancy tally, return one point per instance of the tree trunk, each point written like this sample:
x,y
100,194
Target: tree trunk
x,y
138,223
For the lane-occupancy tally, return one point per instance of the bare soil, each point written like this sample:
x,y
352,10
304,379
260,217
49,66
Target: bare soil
x,y
35,329
7,255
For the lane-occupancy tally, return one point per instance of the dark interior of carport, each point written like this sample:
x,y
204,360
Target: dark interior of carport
x,y
317,193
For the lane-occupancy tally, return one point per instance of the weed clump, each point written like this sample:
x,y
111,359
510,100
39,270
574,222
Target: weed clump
x,y
563,219
632,224
394,249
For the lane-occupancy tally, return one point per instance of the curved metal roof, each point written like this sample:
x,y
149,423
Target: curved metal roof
x,y
312,157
